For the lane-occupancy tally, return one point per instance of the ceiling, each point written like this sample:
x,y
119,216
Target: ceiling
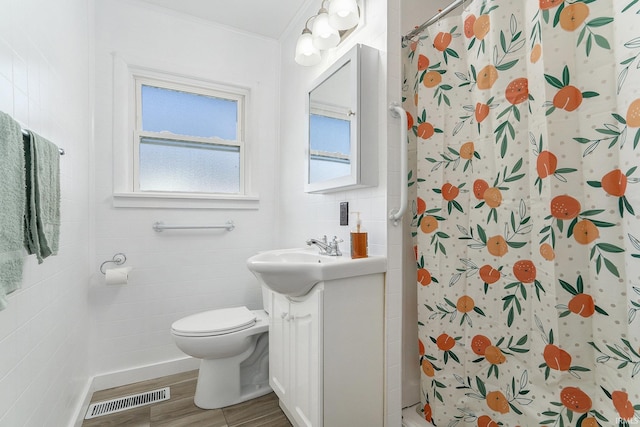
x,y
268,18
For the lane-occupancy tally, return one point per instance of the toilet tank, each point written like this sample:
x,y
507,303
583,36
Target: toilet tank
x,y
266,299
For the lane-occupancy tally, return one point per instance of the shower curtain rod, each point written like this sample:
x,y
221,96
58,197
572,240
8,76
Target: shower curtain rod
x,y
454,4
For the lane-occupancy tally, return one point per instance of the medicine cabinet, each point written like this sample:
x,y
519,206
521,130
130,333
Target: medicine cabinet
x,y
342,118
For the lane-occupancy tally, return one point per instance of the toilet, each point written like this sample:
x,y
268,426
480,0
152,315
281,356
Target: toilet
x,y
233,344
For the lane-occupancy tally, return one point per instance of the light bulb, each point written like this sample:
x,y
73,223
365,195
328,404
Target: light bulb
x,y
324,35
343,14
306,53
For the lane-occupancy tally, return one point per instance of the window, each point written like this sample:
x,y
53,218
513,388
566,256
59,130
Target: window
x,y
180,142
187,139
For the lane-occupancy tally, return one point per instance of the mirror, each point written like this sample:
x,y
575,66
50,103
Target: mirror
x,y
331,113
342,145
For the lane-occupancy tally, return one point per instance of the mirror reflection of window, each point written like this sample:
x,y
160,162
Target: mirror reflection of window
x,y
329,150
330,117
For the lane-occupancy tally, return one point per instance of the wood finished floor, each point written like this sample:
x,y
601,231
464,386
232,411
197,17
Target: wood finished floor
x,y
181,411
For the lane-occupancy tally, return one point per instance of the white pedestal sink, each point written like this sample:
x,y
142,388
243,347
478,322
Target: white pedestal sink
x,y
294,272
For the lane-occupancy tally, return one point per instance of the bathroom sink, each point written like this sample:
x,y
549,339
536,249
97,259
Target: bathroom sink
x,y
294,272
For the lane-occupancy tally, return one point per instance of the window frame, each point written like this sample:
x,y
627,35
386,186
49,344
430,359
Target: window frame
x,y
139,133
127,84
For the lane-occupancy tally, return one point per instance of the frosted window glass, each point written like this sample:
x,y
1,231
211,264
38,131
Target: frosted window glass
x,y
180,166
190,114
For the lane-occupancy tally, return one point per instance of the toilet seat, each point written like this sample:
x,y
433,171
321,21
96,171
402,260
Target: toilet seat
x,y
214,322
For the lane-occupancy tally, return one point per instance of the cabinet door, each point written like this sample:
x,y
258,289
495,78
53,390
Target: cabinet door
x,y
279,357
306,351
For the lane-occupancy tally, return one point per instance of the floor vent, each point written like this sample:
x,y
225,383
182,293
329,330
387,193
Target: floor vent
x,y
112,406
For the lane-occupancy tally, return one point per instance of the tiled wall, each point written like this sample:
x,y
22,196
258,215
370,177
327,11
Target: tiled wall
x,y
44,84
176,273
395,232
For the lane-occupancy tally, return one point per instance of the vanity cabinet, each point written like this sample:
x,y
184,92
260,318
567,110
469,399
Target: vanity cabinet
x,y
326,353
294,356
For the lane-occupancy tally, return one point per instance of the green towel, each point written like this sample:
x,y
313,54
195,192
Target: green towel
x,y
42,214
12,205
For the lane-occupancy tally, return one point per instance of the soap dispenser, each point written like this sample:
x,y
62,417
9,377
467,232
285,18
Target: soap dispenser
x,y
358,240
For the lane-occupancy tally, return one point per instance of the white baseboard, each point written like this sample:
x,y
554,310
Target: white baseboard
x,y
143,373
133,375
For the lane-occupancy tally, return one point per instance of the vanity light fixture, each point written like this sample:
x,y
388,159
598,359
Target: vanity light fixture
x,y
327,30
343,14
325,36
307,53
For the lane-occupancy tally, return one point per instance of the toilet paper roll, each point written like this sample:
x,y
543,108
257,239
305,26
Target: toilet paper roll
x,y
117,276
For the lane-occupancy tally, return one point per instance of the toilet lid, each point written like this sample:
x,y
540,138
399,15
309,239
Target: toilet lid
x,y
215,322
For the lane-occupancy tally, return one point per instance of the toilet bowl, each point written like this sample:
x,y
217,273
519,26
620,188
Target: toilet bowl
x,y
233,344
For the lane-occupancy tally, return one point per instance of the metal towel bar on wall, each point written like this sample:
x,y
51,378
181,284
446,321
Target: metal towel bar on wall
x,y
26,133
159,226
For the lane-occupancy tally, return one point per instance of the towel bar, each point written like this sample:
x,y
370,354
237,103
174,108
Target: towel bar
x,y
60,150
159,226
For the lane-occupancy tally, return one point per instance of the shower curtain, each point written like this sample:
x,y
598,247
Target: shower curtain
x,y
525,118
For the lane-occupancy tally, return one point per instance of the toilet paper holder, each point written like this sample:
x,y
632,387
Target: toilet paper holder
x,y
118,259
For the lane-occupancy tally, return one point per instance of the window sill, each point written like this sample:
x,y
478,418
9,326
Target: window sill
x,y
184,201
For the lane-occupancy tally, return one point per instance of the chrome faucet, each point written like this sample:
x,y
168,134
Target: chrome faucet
x,y
327,248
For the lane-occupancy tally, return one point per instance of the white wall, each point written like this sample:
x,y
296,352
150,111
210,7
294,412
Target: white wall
x,y
311,215
44,84
176,272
